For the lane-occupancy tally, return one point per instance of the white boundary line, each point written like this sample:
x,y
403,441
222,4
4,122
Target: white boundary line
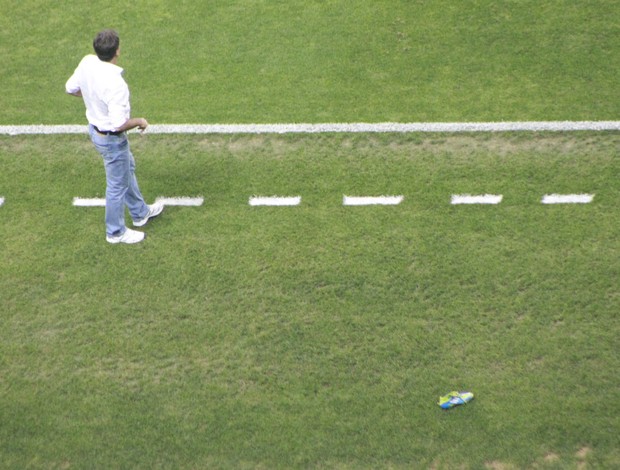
x,y
567,198
348,200
305,128
88,202
168,201
275,201
480,199
181,201
370,201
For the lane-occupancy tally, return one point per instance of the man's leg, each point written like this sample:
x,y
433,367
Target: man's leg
x,y
138,209
116,159
116,162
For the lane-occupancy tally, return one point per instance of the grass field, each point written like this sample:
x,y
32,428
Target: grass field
x,y
322,61
316,336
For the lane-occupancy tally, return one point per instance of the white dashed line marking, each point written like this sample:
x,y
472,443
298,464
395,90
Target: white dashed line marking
x,y
86,202
370,200
275,201
348,200
181,201
168,201
567,198
479,199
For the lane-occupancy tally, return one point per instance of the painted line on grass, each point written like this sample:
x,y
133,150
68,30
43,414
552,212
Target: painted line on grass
x,y
88,202
372,200
319,128
168,201
275,201
347,200
181,201
567,198
479,199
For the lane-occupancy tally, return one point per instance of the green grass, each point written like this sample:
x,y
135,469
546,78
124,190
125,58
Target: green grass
x,y
319,335
321,61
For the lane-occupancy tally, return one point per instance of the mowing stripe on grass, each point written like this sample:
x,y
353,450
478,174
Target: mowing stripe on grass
x,y
301,128
370,201
480,199
275,201
567,198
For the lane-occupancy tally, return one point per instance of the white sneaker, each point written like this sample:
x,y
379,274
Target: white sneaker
x,y
130,236
154,210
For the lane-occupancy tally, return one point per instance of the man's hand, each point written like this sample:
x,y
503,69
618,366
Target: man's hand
x,y
143,124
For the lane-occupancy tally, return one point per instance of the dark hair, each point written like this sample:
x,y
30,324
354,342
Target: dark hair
x,y
106,44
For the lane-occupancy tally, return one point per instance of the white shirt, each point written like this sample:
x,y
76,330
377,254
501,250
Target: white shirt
x,y
105,92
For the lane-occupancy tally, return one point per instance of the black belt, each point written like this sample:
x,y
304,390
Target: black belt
x,y
108,132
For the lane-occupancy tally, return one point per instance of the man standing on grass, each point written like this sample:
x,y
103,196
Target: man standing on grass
x,y
99,81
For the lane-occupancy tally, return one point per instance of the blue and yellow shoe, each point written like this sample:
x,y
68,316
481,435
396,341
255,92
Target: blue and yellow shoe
x,y
453,399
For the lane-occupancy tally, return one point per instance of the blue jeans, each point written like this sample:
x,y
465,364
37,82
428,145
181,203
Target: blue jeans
x,y
121,183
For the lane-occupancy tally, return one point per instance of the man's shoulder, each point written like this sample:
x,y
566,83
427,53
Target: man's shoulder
x,y
89,59
93,62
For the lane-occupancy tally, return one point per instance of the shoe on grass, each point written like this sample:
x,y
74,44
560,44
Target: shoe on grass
x,y
154,210
453,399
130,236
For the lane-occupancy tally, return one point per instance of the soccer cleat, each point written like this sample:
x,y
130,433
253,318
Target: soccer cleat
x,y
154,210
130,236
453,399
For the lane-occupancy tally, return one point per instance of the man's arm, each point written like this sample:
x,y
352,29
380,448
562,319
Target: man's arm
x,y
72,87
119,108
132,123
